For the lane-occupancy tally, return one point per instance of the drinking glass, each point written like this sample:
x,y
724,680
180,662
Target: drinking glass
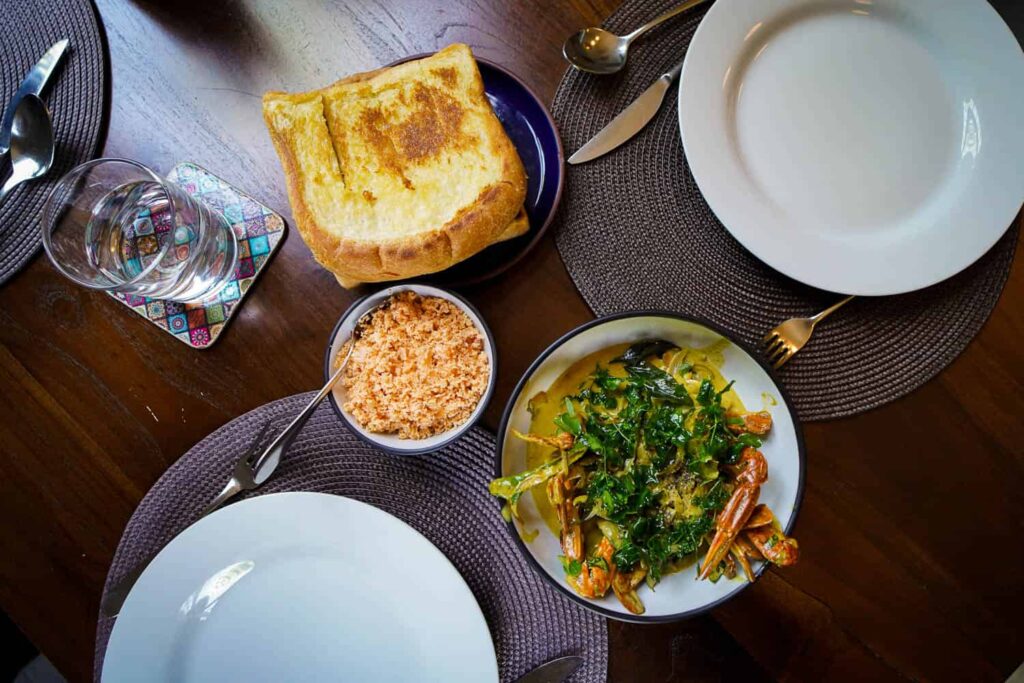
x,y
115,225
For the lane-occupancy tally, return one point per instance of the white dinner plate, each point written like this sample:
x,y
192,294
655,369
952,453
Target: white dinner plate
x,y
677,596
860,146
300,587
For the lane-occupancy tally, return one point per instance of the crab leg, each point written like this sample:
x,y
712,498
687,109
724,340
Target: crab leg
x,y
753,471
593,581
759,423
741,559
761,516
560,490
748,549
624,584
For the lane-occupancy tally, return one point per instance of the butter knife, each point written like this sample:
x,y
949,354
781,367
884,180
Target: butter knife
x,y
555,671
34,83
630,120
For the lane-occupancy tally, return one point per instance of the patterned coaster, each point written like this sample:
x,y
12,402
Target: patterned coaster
x,y
258,230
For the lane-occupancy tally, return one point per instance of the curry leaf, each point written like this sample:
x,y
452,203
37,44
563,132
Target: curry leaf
x,y
646,348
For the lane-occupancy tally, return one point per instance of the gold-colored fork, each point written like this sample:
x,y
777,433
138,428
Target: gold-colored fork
x,y
789,337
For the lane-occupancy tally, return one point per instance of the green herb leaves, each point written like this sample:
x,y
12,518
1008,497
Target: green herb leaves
x,y
657,382
641,350
571,567
651,458
568,421
650,541
616,497
665,433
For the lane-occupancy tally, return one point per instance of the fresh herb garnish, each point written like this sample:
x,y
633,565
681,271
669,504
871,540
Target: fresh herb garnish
x,y
653,459
571,567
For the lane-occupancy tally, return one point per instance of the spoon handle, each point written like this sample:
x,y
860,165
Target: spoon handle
x,y
265,464
11,183
661,18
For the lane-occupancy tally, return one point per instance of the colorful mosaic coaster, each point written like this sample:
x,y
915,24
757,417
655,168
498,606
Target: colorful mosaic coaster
x,y
259,232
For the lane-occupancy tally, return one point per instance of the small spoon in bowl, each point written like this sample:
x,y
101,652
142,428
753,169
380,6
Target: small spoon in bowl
x,y
32,143
598,51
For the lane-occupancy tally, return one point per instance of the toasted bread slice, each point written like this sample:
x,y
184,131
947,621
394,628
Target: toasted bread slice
x,y
397,172
520,225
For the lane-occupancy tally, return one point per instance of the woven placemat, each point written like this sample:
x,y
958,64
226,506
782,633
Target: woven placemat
x,y
443,496
75,97
635,232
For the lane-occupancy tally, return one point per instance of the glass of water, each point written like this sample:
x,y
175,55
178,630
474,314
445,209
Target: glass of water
x,y
115,225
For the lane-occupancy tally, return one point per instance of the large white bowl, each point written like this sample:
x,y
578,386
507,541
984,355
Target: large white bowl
x,y
678,595
390,442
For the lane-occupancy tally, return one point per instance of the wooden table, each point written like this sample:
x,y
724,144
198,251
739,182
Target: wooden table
x,y
910,529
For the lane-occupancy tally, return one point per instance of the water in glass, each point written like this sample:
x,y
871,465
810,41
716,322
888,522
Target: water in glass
x,y
115,225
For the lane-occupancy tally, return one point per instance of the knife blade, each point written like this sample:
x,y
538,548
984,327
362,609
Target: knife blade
x,y
629,121
35,81
555,671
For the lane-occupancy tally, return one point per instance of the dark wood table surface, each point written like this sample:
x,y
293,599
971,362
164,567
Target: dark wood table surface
x,y
912,556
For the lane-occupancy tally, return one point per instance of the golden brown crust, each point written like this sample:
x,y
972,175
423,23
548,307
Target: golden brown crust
x,y
520,225
474,226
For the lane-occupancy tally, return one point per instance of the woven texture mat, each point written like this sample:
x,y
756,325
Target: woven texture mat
x,y
75,98
443,496
635,232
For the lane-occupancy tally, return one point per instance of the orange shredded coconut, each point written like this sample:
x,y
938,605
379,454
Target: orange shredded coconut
x,y
418,369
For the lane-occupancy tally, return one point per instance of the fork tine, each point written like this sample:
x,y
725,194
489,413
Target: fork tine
x,y
784,357
256,447
770,338
775,348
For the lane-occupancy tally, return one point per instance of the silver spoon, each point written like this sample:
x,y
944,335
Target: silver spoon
x,y
31,143
598,51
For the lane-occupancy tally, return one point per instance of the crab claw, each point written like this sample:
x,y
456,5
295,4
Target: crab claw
x,y
730,521
753,471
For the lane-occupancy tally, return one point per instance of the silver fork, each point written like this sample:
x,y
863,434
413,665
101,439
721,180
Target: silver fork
x,y
251,470
789,337
242,479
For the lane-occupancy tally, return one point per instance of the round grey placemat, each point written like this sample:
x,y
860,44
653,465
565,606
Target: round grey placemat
x,y
635,232
443,496
75,97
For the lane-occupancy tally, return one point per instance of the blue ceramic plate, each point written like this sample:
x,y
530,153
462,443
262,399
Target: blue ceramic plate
x,y
532,130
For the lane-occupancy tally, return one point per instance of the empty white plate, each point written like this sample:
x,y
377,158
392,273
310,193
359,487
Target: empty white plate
x,y
861,146
300,587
